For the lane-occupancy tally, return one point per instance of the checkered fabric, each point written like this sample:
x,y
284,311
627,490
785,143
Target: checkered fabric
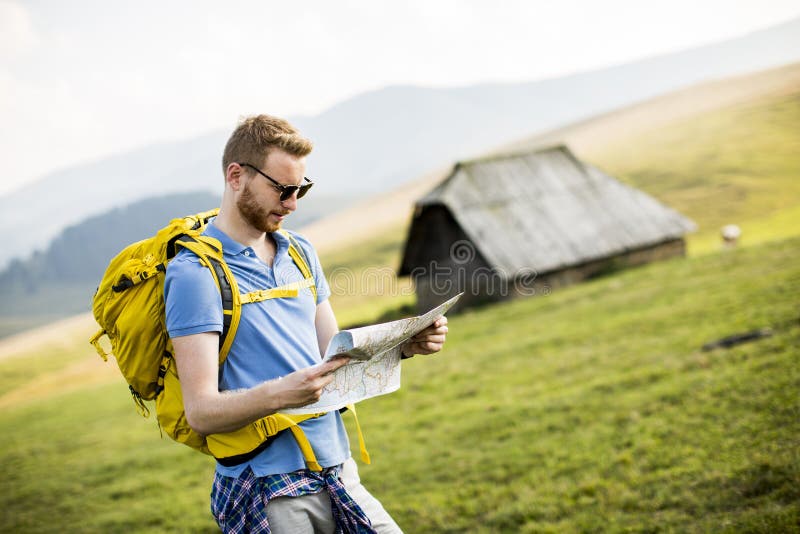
x,y
240,504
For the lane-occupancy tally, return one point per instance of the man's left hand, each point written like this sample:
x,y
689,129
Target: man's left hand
x,y
428,341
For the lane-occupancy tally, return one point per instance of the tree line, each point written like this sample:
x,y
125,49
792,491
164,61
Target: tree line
x,y
80,253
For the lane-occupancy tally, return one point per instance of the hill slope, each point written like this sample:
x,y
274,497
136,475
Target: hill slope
x,y
590,409
738,165
61,279
659,146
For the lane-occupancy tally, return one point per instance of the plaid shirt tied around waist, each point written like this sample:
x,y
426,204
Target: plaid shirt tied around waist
x,y
240,504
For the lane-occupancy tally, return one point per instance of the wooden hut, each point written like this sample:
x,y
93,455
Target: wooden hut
x,y
521,224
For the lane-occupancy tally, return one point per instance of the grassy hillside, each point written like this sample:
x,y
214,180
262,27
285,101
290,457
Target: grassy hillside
x,y
363,280
607,139
589,409
737,164
594,409
740,164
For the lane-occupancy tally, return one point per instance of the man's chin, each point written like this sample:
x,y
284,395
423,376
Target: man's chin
x,y
268,224
274,222
271,225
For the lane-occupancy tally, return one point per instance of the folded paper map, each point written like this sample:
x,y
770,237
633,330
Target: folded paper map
x,y
374,367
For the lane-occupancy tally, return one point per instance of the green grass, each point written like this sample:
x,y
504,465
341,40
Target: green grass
x,y
589,409
86,462
594,409
52,358
739,165
780,225
364,283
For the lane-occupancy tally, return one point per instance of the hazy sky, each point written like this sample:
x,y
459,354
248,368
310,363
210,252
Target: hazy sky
x,y
83,79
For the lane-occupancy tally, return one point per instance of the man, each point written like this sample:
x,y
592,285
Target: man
x,y
275,361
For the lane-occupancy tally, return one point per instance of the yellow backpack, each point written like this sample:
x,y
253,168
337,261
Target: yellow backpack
x,y
129,307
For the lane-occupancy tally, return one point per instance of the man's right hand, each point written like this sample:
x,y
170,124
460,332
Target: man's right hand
x,y
211,411
305,386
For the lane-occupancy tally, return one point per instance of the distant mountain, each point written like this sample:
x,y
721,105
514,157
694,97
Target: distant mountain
x,y
80,253
381,139
60,279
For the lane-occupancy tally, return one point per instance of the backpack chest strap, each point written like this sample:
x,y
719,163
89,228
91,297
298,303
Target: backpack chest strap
x,y
286,291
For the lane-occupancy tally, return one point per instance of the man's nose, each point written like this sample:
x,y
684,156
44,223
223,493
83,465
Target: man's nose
x,y
291,202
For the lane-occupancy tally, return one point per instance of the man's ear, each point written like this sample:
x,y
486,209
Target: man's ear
x,y
233,176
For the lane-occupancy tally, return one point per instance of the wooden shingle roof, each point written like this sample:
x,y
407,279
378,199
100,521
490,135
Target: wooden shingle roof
x,y
545,210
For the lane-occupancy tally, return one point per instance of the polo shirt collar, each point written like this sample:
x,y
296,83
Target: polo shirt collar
x,y
234,248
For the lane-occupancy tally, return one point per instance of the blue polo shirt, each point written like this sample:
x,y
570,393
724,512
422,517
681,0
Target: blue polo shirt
x,y
275,337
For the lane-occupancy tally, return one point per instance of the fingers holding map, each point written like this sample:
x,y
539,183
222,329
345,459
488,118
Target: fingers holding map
x,y
374,366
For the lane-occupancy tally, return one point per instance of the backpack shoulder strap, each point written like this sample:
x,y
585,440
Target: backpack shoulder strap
x,y
298,254
209,251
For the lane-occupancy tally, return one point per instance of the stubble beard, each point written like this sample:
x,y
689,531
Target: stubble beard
x,y
254,213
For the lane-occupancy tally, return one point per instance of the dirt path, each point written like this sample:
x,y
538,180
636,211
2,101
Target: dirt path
x,y
65,332
85,373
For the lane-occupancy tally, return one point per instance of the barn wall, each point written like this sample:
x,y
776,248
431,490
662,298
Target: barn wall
x,y
443,262
480,287
572,275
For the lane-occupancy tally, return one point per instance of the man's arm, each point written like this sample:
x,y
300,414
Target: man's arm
x,y
326,325
210,411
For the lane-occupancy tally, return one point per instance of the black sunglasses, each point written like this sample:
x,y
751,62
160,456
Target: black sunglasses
x,y
286,191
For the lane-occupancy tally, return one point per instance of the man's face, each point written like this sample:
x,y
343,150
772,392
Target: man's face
x,y
259,202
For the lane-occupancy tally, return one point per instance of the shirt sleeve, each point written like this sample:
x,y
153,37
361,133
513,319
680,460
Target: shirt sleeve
x,y
192,299
323,289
